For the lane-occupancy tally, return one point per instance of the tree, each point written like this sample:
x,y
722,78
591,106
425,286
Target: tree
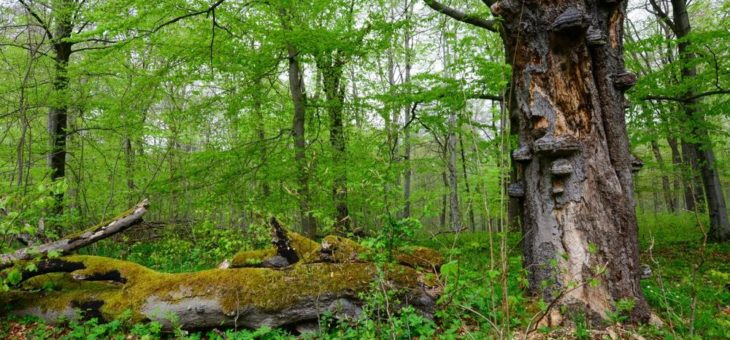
x,y
698,147
574,167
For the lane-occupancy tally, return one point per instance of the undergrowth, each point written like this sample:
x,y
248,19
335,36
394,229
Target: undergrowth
x,y
689,289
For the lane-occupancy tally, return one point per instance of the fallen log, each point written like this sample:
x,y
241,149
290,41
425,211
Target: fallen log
x,y
294,294
75,241
239,297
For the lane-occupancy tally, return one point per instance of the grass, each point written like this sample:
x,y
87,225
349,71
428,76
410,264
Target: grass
x,y
689,289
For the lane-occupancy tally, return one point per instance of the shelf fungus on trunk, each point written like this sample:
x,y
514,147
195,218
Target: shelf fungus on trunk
x,y
561,167
595,37
624,80
522,154
516,190
571,18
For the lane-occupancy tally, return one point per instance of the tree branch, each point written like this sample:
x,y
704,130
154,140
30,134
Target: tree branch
x,y
662,15
687,99
458,15
37,18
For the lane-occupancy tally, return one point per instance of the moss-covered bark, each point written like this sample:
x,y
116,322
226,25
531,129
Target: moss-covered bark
x,y
245,297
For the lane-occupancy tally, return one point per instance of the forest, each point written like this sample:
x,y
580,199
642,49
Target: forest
x,y
385,169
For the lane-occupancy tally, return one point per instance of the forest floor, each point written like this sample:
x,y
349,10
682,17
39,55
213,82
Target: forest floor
x,y
689,289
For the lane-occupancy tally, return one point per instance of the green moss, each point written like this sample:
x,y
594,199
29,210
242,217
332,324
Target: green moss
x,y
344,249
420,257
306,249
251,258
260,288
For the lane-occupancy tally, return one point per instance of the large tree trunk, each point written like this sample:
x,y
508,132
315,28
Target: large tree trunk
x,y
453,175
693,194
567,83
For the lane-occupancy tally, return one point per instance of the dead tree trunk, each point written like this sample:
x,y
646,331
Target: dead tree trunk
x,y
70,243
300,281
576,184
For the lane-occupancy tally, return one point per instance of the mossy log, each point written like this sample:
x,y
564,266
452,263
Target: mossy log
x,y
237,297
75,241
290,284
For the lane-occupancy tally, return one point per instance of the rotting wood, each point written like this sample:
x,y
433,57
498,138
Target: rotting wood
x,y
75,241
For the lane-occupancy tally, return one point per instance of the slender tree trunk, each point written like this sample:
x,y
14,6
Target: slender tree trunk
x,y
568,79
701,144
58,114
129,168
453,175
444,201
676,164
666,188
331,65
296,86
469,201
261,135
408,170
693,193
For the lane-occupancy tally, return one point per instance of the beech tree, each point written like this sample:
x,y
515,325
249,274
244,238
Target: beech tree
x,y
573,162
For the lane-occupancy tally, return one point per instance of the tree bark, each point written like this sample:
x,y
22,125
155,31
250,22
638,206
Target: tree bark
x,y
567,83
407,112
453,175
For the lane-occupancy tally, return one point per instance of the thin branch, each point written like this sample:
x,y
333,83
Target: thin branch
x,y
662,15
37,18
458,15
687,99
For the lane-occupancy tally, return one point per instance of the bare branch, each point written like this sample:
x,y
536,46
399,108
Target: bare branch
x,y
37,18
662,15
458,15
